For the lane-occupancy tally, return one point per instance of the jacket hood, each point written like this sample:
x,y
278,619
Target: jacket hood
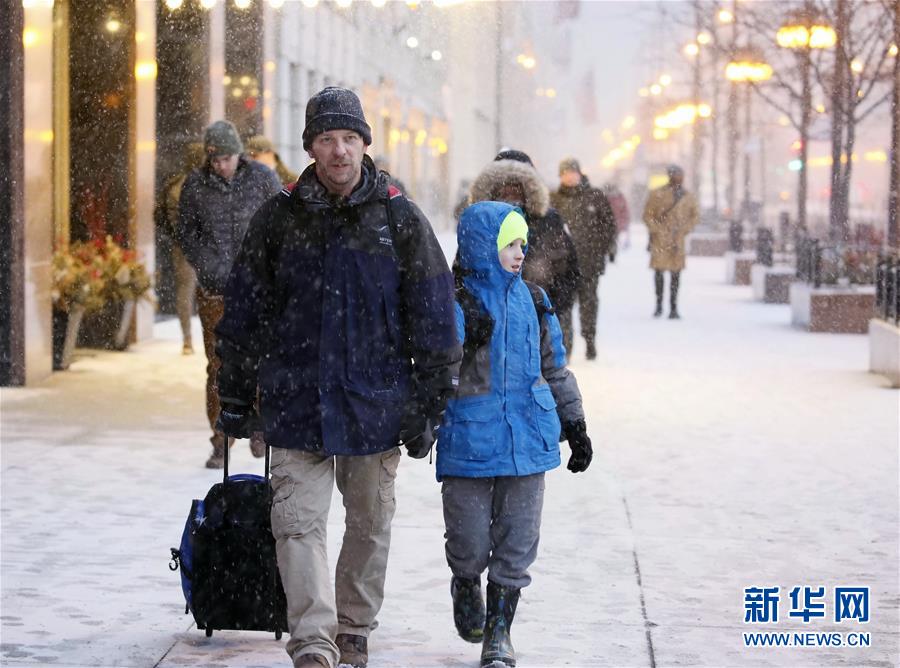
x,y
476,235
500,172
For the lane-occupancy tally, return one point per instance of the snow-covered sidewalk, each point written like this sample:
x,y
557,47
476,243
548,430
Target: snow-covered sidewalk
x,y
732,451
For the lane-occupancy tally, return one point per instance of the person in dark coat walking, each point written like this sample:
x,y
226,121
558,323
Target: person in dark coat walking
x,y
340,308
552,262
590,218
214,209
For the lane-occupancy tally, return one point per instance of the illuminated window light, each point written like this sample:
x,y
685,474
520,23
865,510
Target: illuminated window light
x,y
145,69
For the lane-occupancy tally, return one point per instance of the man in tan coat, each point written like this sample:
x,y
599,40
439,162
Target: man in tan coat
x,y
670,214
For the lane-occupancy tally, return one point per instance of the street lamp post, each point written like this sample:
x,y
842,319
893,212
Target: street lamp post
x,y
747,67
802,31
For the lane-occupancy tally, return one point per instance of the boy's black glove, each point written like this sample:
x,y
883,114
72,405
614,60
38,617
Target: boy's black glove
x,y
582,453
237,420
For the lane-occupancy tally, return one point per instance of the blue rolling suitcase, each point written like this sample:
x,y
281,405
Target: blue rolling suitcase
x,y
229,574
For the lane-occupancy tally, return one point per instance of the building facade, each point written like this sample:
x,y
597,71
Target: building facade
x,y
101,97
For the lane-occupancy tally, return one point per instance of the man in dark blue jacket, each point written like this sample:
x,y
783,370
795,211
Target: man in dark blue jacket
x,y
340,308
216,204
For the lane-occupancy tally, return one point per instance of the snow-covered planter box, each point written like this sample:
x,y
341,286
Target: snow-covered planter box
x,y
707,244
772,284
738,266
884,350
832,309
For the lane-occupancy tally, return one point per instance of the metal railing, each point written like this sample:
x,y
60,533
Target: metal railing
x,y
765,246
819,263
887,289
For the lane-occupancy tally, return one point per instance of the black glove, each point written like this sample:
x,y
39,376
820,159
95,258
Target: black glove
x,y
238,420
582,453
417,432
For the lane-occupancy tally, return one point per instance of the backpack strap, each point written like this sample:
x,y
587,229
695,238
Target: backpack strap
x,y
537,296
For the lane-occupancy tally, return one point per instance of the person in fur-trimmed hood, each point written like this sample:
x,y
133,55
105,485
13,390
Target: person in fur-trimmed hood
x,y
552,262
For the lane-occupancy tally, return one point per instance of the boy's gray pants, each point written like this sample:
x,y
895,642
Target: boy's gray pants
x,y
493,524
302,484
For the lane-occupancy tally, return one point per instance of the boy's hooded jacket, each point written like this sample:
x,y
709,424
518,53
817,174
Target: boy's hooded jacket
x,y
552,259
504,419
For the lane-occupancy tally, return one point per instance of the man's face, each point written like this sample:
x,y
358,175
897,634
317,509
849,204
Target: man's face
x,y
338,155
224,165
570,178
676,178
512,256
512,193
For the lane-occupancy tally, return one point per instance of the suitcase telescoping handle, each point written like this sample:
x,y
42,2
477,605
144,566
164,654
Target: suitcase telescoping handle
x,y
225,470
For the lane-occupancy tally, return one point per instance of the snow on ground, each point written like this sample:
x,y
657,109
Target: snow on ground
x,y
732,451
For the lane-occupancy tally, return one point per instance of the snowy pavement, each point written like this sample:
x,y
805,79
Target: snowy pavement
x,y
732,451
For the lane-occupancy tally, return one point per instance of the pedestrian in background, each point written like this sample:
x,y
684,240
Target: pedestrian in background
x,y
670,214
620,212
260,148
552,262
216,203
165,213
340,307
593,225
501,429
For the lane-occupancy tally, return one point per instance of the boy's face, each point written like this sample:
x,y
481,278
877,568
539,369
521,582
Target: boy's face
x,y
512,256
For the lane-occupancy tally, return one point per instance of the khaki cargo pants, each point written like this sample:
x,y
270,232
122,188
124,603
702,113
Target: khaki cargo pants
x,y
302,484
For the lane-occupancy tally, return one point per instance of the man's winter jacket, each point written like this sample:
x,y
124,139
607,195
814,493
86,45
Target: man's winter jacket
x,y
213,217
552,261
591,221
514,387
341,309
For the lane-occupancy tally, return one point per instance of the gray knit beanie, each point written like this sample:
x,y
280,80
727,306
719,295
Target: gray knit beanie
x,y
334,108
222,138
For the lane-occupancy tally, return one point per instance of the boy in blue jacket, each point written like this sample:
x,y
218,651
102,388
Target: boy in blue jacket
x,y
501,429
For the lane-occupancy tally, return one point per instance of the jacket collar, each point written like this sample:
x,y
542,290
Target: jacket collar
x,y
313,195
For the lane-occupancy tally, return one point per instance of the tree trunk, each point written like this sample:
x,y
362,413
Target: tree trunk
x,y
805,114
838,121
893,232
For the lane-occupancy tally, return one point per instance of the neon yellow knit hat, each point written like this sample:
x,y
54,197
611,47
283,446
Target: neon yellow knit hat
x,y
513,227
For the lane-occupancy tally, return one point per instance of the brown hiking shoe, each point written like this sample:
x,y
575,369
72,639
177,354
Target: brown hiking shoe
x,y
257,444
311,661
217,458
354,649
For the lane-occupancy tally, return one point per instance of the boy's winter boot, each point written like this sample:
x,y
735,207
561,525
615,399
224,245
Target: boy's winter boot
x,y
497,650
468,608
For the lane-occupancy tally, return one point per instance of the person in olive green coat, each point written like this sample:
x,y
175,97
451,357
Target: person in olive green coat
x,y
670,214
592,223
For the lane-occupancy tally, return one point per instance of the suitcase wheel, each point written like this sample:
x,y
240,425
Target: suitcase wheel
x,y
209,632
278,635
